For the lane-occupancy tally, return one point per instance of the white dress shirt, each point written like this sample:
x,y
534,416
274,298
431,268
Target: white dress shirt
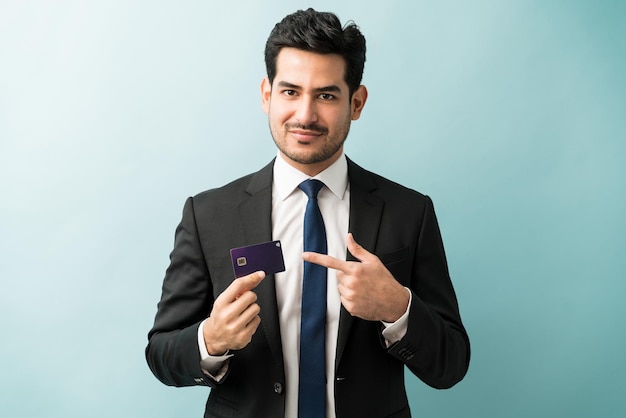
x,y
288,207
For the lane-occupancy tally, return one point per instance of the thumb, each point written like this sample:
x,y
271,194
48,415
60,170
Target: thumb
x,y
358,251
244,283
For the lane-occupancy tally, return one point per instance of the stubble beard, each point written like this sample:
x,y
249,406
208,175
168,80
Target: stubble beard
x,y
330,147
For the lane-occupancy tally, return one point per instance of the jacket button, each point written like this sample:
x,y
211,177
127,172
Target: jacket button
x,y
278,388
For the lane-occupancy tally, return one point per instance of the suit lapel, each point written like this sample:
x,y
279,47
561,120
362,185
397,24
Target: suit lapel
x,y
365,215
255,214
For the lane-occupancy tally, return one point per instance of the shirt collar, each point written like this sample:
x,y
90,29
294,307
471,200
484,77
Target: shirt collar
x,y
287,178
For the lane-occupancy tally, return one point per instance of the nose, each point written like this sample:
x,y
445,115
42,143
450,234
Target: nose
x,y
306,111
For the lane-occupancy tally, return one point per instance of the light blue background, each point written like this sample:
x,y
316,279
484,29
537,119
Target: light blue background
x,y
509,114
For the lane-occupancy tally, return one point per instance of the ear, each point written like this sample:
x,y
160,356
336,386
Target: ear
x,y
266,92
359,97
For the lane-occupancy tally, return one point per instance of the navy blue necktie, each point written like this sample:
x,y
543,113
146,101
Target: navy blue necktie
x,y
312,386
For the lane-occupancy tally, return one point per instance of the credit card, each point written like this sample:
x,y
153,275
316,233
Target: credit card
x,y
266,256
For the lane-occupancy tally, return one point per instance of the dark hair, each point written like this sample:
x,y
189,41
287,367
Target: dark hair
x,y
322,33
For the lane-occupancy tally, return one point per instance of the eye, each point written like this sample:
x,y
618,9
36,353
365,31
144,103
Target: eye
x,y
289,92
326,96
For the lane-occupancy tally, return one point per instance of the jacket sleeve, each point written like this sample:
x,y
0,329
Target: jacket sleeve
x,y
436,347
187,298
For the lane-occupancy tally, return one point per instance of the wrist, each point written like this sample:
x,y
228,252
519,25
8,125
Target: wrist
x,y
213,348
399,305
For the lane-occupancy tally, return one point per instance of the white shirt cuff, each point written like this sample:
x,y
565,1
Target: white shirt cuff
x,y
394,331
213,366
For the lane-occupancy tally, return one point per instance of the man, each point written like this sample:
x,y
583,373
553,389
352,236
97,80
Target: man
x,y
389,301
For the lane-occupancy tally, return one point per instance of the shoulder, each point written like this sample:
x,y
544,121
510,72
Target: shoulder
x,y
237,190
230,189
377,185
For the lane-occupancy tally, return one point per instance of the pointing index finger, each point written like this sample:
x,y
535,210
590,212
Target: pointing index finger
x,y
324,260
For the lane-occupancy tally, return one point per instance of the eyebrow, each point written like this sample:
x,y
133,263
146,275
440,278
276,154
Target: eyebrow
x,y
325,89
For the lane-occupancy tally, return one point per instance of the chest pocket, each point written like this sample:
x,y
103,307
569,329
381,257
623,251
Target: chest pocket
x,y
398,263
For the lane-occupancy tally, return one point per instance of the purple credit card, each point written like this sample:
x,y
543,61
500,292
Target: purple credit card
x,y
267,256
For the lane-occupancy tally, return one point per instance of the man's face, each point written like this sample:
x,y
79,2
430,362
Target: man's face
x,y
309,108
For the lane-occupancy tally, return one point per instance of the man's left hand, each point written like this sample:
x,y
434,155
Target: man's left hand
x,y
367,289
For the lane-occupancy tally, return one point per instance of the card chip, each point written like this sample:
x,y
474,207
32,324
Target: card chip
x,y
241,261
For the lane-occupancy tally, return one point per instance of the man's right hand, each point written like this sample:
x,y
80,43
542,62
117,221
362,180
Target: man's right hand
x,y
235,316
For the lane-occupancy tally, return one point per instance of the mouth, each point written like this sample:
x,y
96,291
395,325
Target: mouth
x,y
306,134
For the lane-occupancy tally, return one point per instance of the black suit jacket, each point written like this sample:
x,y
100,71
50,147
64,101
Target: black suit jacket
x,y
395,223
